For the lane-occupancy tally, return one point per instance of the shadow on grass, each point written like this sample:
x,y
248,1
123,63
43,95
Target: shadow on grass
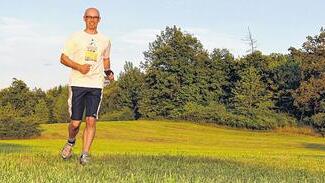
x,y
12,148
320,147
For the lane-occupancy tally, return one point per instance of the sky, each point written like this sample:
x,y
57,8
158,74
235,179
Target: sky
x,y
32,33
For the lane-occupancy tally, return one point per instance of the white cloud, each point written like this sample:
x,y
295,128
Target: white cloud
x,y
28,51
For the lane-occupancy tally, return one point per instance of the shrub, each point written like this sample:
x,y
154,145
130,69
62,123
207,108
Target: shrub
x,y
123,114
217,113
13,126
210,113
318,122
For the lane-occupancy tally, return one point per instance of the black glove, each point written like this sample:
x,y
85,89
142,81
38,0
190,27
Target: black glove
x,y
108,72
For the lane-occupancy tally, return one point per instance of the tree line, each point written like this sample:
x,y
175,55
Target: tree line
x,y
179,79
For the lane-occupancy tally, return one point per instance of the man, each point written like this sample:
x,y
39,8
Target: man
x,y
87,54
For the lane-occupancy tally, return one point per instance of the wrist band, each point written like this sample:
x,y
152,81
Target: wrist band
x,y
108,72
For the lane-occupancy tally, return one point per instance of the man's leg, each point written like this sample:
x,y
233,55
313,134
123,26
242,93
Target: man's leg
x,y
88,137
89,134
93,100
73,130
76,103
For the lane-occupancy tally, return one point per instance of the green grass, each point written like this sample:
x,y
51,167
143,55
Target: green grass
x,y
156,151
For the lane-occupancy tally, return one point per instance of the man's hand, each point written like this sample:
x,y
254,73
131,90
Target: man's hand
x,y
84,69
111,77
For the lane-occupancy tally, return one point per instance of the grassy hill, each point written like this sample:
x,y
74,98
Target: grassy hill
x,y
161,151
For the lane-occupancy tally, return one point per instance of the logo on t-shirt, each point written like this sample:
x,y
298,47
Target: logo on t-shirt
x,y
91,52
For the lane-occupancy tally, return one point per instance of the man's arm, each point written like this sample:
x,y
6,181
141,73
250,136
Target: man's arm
x,y
107,67
65,60
107,63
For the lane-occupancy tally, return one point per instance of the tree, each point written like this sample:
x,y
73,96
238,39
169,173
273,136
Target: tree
x,y
178,70
51,98
251,42
14,125
311,57
284,74
57,104
60,107
19,96
129,88
224,73
42,112
250,92
110,99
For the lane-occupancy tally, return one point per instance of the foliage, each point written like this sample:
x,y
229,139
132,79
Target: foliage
x,y
57,101
250,92
129,89
318,121
42,112
14,125
123,114
258,119
180,79
178,70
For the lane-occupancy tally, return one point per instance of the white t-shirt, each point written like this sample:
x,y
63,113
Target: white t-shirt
x,y
84,48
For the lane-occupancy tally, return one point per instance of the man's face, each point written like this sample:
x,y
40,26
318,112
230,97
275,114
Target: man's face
x,y
91,19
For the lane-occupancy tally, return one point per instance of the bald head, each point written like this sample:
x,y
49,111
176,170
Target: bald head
x,y
91,19
91,12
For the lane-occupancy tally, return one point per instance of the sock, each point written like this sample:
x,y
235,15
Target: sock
x,y
71,140
84,153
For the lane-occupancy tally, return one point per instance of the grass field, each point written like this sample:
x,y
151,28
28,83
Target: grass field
x,y
156,151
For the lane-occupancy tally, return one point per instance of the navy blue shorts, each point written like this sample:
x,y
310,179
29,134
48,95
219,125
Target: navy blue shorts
x,y
81,99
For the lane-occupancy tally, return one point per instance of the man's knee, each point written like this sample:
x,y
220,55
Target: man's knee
x,y
75,124
90,121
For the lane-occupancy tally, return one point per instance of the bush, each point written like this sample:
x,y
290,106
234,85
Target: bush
x,y
218,113
18,128
13,126
318,122
268,119
210,113
214,112
123,114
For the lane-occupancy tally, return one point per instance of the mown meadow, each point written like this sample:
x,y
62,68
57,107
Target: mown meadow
x,y
166,151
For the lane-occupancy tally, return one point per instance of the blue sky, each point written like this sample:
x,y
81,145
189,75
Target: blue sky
x,y
32,32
